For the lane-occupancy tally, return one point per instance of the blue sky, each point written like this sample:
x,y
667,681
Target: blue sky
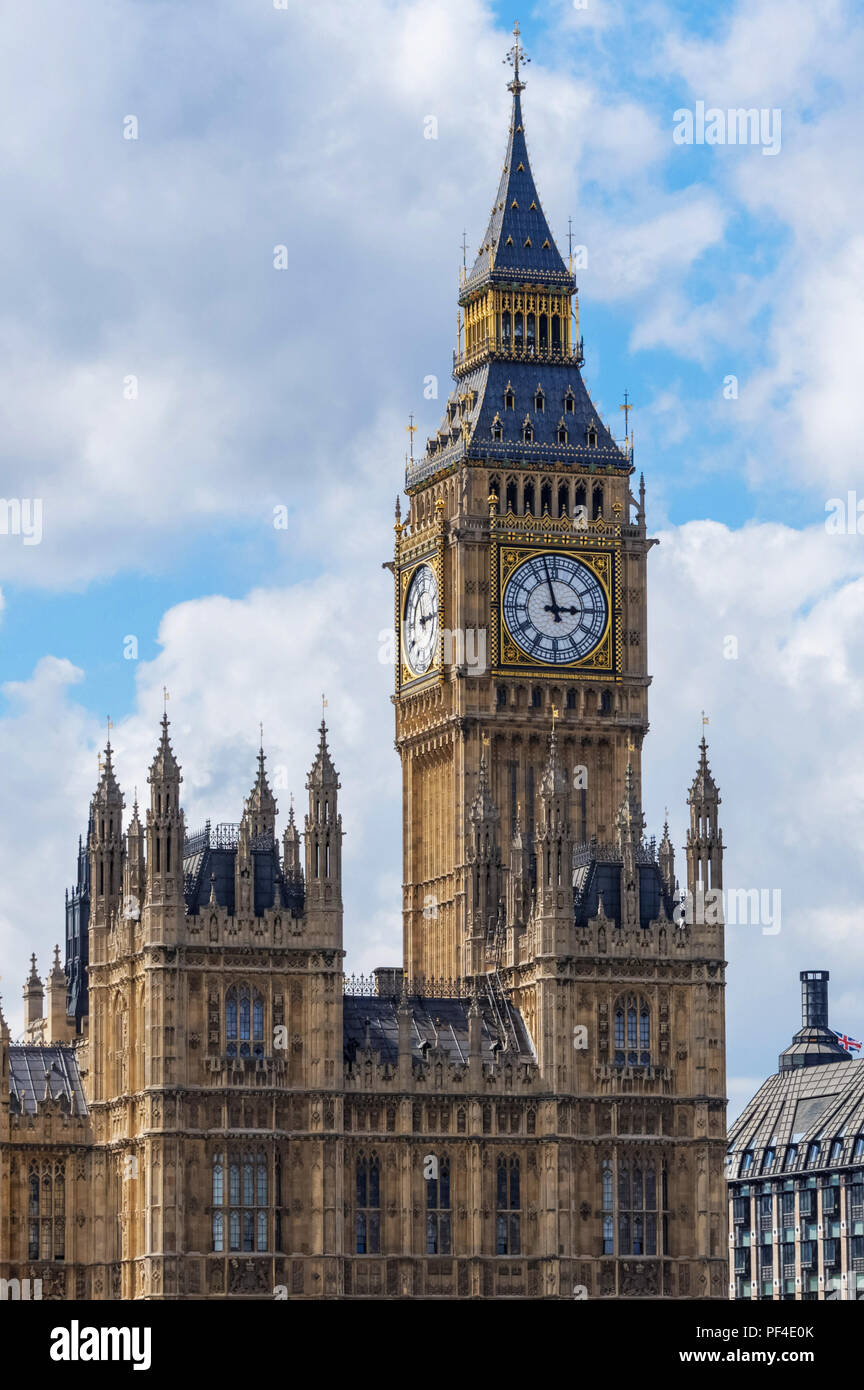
x,y
260,388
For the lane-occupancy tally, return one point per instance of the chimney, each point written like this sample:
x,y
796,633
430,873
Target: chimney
x,y
814,1044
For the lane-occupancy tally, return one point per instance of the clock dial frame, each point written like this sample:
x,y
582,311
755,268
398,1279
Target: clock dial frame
x,y
555,608
420,626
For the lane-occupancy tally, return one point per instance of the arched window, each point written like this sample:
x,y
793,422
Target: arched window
x,y
539,401
563,500
591,435
597,503
438,1214
569,403
562,433
517,326
527,431
505,328
637,1207
511,495
606,702
495,491
529,331
536,697
46,1211
571,699
528,496
247,1201
631,1019
502,696
497,429
508,1206
368,1205
544,331
580,496
546,499
509,399
244,1022
556,333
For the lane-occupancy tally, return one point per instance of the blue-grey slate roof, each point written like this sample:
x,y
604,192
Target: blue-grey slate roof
x,y
40,1073
517,218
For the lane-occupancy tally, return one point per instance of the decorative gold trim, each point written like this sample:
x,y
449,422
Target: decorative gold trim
x,y
598,548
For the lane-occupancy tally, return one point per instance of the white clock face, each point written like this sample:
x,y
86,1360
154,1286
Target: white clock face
x,y
421,620
555,609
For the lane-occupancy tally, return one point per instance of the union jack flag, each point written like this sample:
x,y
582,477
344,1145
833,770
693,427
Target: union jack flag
x,y
849,1043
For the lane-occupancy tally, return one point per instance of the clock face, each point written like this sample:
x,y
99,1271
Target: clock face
x,y
555,609
421,620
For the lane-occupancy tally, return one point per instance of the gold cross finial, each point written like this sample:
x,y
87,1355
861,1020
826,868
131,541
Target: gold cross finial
x,y
412,430
110,724
626,407
515,56
165,698
323,701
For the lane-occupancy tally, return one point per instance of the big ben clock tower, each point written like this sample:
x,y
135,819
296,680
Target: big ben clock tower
x,y
520,591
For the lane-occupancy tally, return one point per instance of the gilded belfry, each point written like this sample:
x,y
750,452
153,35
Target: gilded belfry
x,y
532,1105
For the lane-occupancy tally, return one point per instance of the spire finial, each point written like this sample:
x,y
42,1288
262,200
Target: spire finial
x,y
515,56
412,430
165,698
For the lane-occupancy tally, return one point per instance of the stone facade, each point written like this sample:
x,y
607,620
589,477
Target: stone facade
x,y
535,1107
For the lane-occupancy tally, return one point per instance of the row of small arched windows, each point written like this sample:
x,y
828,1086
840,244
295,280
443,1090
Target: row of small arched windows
x,y
529,498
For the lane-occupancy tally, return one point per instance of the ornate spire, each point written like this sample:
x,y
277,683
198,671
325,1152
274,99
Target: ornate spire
x,y
554,780
164,767
322,773
518,244
108,792
630,821
261,803
483,808
703,786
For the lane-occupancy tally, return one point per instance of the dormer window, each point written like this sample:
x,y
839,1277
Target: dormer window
x,y
591,435
497,429
539,401
569,403
527,431
509,398
562,431
451,411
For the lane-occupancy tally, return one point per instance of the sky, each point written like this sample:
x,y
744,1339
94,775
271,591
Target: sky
x,y
168,391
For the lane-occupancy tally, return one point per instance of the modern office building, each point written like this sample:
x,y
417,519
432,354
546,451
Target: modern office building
x,y
795,1169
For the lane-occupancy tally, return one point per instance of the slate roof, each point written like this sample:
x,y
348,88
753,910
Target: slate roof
x,y
517,218
208,862
792,1112
440,1022
40,1073
488,384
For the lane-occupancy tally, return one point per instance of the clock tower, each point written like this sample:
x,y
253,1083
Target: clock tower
x,y
520,597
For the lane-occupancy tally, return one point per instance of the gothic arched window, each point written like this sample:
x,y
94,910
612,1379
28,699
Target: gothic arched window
x,y
546,499
632,1031
438,1213
563,500
247,1202
46,1211
597,503
368,1205
539,401
508,1206
244,1022
527,431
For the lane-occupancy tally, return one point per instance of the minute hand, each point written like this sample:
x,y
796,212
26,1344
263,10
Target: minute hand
x,y
553,606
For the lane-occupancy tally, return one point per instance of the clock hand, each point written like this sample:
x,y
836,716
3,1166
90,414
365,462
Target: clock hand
x,y
553,606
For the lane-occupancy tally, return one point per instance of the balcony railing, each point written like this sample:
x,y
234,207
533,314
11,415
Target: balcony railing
x,y
513,350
